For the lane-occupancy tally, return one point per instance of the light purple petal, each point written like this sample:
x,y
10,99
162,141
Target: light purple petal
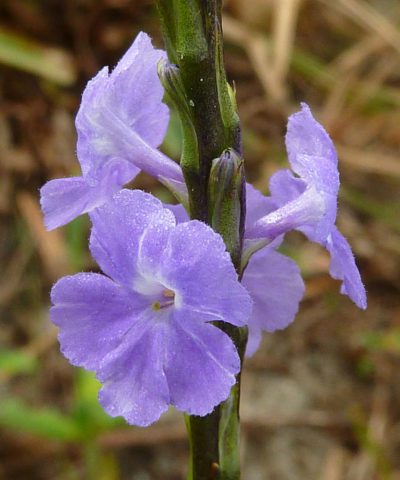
x,y
200,366
285,187
151,255
310,149
178,188
196,266
276,288
343,267
253,341
122,115
117,228
255,238
313,157
93,314
87,136
64,199
308,203
135,385
257,206
307,209
137,93
179,212
316,211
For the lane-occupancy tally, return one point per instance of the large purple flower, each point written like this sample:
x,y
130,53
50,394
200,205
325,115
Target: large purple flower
x,y
120,123
144,328
308,201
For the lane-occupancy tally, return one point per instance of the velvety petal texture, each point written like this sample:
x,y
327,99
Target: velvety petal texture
x,y
276,288
120,123
308,202
144,329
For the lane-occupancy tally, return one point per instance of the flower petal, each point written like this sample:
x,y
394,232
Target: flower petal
x,y
64,199
135,386
196,266
200,366
310,149
136,90
285,187
307,209
179,212
117,228
343,267
276,288
257,206
122,115
93,314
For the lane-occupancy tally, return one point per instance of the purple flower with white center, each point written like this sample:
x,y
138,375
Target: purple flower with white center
x,y
308,202
143,327
120,123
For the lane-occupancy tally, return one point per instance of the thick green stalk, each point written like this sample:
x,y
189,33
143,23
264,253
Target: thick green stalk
x,y
197,87
193,37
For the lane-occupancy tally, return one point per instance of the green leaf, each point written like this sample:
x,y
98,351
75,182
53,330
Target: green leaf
x,y
52,64
44,422
76,235
14,362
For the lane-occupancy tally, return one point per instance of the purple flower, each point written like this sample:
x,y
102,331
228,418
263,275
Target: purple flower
x,y
120,123
308,201
144,328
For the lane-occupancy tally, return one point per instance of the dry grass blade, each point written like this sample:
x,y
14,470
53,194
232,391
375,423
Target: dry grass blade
x,y
369,18
384,69
13,274
370,161
51,245
334,464
284,29
258,49
354,56
369,463
353,91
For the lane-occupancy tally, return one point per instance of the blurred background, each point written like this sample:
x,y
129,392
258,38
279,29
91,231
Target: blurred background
x,y
321,400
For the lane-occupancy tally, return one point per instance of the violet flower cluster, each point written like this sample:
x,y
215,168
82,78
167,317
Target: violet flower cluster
x,y
144,326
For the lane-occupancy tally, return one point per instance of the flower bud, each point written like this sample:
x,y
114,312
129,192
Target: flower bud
x,y
226,196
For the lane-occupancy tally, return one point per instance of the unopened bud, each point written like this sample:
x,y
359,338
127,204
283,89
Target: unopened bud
x,y
171,80
226,196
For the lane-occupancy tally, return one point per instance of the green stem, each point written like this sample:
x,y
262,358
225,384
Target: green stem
x,y
204,446
229,421
198,88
